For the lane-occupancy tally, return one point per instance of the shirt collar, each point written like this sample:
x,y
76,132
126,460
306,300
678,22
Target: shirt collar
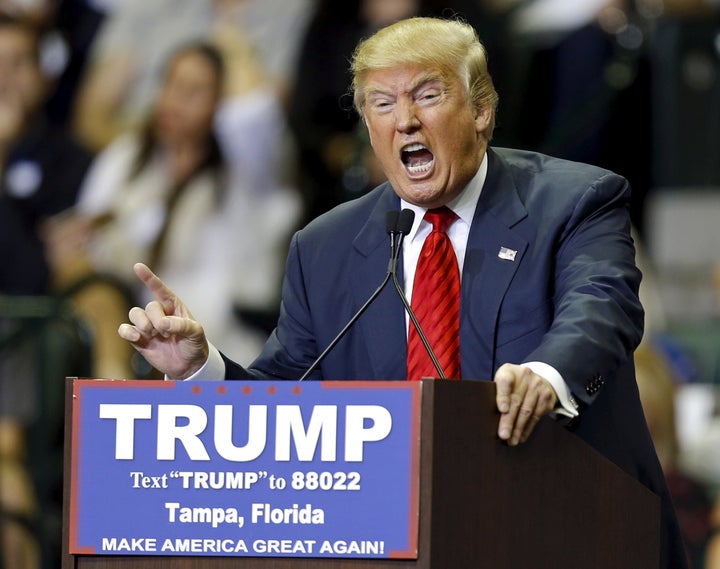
x,y
463,205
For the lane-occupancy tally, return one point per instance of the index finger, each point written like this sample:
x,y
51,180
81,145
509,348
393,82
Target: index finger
x,y
160,291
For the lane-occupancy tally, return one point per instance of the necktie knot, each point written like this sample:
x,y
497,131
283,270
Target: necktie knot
x,y
441,218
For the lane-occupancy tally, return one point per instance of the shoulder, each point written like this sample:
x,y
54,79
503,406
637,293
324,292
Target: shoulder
x,y
120,153
528,165
350,217
335,239
549,182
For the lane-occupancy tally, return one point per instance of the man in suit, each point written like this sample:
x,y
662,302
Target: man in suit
x,y
549,293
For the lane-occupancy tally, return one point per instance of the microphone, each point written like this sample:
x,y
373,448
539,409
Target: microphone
x,y
391,223
404,224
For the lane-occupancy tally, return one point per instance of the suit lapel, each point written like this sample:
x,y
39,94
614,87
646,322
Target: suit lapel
x,y
493,255
383,325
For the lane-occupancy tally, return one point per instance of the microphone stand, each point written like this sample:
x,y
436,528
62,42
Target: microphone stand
x,y
398,225
391,225
405,223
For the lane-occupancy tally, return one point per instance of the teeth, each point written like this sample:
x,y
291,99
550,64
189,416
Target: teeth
x,y
421,168
416,169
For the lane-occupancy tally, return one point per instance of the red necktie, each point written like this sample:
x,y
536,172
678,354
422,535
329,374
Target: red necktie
x,y
436,302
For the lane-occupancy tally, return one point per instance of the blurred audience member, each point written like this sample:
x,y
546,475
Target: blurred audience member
x,y
66,29
42,167
18,505
73,28
138,36
693,503
206,210
712,556
589,62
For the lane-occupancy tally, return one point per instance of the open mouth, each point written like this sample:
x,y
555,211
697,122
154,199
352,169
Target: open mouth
x,y
417,159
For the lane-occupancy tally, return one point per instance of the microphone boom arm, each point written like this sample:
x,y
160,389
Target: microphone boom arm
x,y
410,312
342,332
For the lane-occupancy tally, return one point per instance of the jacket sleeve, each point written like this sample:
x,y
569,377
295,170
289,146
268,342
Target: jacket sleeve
x,y
598,318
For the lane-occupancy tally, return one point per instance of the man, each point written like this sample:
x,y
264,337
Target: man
x,y
549,305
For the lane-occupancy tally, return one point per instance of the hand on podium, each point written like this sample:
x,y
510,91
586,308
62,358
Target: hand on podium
x,y
165,332
523,397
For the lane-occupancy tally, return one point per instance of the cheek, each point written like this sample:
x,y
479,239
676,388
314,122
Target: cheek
x,y
381,143
466,142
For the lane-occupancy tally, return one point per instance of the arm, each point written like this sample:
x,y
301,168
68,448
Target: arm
x,y
597,315
97,117
598,318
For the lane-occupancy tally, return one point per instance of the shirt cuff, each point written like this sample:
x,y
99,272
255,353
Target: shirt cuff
x,y
212,370
568,407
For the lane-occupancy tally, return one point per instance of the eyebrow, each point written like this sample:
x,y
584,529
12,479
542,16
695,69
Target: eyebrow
x,y
420,82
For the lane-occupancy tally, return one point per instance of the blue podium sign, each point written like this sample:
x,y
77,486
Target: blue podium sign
x,y
259,468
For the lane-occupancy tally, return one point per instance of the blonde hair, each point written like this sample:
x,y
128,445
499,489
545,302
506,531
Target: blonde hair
x,y
450,46
657,386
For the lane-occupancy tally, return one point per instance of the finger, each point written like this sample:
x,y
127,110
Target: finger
x,y
509,418
180,326
140,320
168,325
158,288
129,333
508,421
525,415
157,317
141,329
545,403
529,428
504,380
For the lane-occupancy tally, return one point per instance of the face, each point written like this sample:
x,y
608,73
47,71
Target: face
x,y
427,138
21,81
186,105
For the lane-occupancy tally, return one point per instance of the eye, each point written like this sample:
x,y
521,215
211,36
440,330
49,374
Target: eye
x,y
429,96
381,105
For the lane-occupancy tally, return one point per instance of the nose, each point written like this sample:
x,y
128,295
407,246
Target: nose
x,y
406,119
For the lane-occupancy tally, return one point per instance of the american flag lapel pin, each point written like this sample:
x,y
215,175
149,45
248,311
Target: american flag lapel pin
x,y
507,253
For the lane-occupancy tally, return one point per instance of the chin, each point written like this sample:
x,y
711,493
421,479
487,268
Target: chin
x,y
425,197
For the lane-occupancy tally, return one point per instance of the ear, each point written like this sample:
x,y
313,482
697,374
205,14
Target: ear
x,y
483,118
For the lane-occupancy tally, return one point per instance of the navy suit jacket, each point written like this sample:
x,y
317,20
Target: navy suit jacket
x,y
568,297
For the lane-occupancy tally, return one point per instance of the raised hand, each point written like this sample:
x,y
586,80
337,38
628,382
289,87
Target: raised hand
x,y
165,332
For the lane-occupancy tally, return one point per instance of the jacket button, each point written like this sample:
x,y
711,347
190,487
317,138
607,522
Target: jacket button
x,y
595,384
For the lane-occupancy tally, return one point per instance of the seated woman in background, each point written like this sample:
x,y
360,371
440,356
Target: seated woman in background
x,y
206,211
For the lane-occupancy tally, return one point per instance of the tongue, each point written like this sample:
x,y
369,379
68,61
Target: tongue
x,y
419,157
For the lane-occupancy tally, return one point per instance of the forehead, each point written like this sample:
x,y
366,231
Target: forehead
x,y
17,38
191,65
403,78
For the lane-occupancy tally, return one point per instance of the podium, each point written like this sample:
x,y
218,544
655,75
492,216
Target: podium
x,y
550,502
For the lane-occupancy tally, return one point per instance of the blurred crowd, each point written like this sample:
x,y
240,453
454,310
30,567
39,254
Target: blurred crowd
x,y
197,135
